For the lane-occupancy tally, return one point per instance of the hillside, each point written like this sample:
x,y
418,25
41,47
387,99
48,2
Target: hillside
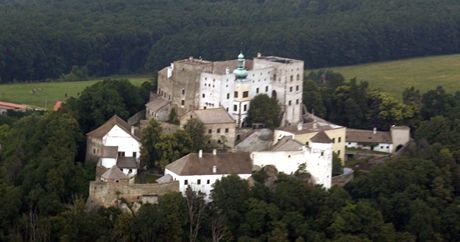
x,y
43,39
45,94
394,76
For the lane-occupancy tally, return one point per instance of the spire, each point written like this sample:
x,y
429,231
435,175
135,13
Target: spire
x,y
240,72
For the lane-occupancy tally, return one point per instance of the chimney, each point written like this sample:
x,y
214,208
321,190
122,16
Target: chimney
x,y
200,154
214,169
374,131
299,126
259,54
133,129
214,152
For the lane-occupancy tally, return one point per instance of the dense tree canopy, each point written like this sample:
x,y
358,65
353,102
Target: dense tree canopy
x,y
266,110
45,39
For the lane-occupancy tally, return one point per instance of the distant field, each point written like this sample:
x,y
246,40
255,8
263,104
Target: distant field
x,y
423,73
45,94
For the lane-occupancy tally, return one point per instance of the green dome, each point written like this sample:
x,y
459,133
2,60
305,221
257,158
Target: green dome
x,y
241,72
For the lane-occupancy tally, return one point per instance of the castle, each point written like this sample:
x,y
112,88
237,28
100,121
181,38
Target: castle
x,y
192,84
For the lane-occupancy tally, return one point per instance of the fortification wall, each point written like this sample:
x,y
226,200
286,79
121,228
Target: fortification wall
x,y
107,193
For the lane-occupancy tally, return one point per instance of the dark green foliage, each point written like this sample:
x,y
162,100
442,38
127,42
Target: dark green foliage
x,y
337,168
45,39
194,128
353,104
99,102
266,110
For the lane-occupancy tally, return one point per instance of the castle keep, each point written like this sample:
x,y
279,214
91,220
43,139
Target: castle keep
x,y
193,84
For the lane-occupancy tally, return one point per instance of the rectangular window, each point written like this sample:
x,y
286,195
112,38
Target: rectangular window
x,y
183,91
235,95
245,94
245,107
203,95
290,89
198,182
228,95
298,77
257,90
182,102
235,107
226,130
292,78
297,101
333,140
185,182
134,154
208,181
340,139
121,154
290,102
297,87
266,89
209,131
218,131
226,109
94,151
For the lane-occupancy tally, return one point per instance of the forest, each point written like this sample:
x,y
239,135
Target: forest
x,y
47,39
414,197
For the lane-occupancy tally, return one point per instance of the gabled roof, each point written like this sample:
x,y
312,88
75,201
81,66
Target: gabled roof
x,y
287,144
225,163
212,116
102,130
114,173
321,137
8,105
368,136
127,162
109,151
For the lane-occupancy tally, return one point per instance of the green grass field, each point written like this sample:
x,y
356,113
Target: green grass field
x,y
45,94
394,76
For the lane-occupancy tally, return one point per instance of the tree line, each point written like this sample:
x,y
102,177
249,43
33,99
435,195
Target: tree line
x,y
48,39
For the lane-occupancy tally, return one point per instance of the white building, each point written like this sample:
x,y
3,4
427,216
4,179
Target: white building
x,y
381,141
288,155
198,84
201,170
114,144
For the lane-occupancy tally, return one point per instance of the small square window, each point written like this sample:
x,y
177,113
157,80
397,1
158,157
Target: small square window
x,y
226,130
245,94
185,182
198,182
208,181
340,139
218,131
209,131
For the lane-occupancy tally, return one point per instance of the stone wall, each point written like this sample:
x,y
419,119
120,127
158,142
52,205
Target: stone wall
x,y
107,193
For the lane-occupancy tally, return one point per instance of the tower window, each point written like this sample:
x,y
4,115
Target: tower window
x,y
246,94
236,95
218,131
198,182
226,130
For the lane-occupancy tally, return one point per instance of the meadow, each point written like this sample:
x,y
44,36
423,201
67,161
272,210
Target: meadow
x,y
393,77
45,94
